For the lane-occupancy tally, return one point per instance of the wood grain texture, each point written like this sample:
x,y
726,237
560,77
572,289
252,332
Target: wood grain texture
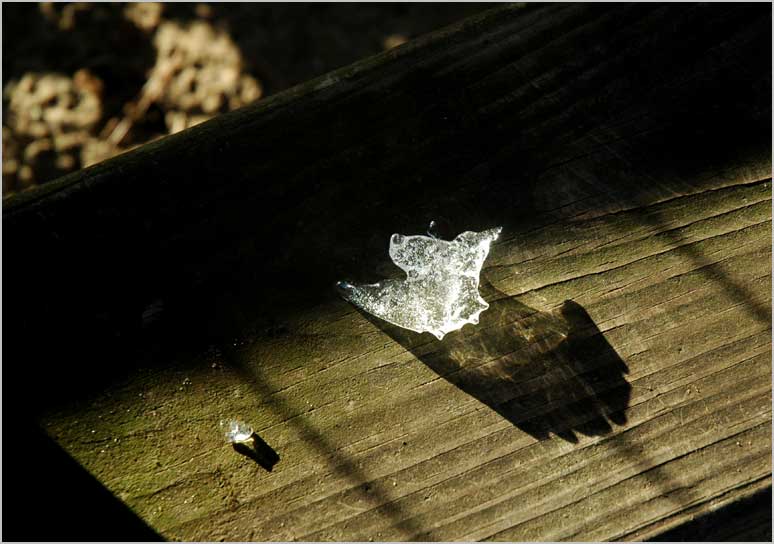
x,y
619,384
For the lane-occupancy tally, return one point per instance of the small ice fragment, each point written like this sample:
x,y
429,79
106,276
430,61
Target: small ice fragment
x,y
237,431
440,291
432,230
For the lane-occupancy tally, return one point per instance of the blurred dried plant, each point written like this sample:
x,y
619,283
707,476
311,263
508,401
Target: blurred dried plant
x,y
106,77
49,118
55,123
198,73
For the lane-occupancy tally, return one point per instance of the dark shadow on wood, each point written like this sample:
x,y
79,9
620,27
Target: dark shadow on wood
x,y
50,497
259,451
544,372
747,520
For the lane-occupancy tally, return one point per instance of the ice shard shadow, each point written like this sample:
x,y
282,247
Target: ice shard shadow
x,y
546,372
259,451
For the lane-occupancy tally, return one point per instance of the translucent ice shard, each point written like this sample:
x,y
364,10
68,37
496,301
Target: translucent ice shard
x,y
237,431
440,292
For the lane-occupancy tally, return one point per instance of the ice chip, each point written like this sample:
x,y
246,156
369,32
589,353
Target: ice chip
x,y
237,431
440,291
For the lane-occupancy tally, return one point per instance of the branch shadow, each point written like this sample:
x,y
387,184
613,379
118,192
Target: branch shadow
x,y
545,372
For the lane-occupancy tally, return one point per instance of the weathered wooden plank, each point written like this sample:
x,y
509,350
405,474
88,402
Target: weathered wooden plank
x,y
626,151
699,369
